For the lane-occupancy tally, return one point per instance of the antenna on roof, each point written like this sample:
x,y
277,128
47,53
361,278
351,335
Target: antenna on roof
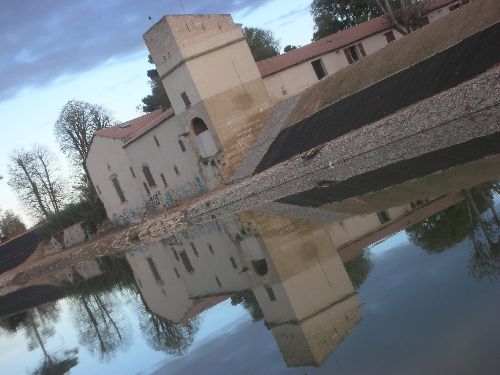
x,y
182,6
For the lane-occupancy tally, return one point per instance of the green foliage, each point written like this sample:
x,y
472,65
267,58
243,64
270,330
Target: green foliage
x,y
91,213
249,302
331,16
358,268
289,48
262,43
158,97
10,224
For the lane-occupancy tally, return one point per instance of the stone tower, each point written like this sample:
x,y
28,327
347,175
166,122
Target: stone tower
x,y
213,83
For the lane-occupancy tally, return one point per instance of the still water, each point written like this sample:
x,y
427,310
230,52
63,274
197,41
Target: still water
x,y
406,283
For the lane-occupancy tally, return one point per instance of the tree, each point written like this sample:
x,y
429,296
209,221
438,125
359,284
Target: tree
x,y
35,176
158,97
331,16
262,43
10,224
358,268
405,15
289,48
74,130
249,302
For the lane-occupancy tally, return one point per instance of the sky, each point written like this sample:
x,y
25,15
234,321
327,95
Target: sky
x,y
53,51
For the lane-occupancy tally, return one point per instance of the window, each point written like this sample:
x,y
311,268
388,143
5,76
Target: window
x,y
186,100
186,262
118,189
132,172
454,7
199,126
177,273
181,145
149,176
194,250
98,190
176,170
233,262
383,217
163,179
146,188
155,272
270,293
156,141
318,68
353,53
211,249
109,167
390,36
218,281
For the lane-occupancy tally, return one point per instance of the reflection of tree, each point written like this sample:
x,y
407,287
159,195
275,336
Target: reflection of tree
x,y
99,324
58,366
249,302
465,220
358,268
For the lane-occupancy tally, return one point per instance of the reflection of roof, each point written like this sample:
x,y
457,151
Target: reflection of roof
x,y
332,42
203,304
131,130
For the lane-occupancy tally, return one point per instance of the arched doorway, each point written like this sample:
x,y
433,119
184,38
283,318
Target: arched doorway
x,y
204,140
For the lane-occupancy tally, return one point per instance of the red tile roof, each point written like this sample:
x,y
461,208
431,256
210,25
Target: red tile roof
x,y
202,305
335,41
131,130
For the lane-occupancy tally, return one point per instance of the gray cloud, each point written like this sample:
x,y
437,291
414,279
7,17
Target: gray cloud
x,y
46,39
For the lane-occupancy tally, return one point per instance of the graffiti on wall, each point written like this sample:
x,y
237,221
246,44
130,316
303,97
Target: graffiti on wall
x,y
161,200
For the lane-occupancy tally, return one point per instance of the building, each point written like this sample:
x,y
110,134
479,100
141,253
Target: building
x,y
220,100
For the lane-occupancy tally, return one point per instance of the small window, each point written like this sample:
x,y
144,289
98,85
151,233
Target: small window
x,y
218,281
186,262
155,272
118,189
211,249
146,188
132,172
318,68
177,273
156,141
383,217
390,36
186,100
270,293
181,145
176,170
149,176
455,7
175,254
195,251
98,190
163,179
199,126
109,167
233,262
354,53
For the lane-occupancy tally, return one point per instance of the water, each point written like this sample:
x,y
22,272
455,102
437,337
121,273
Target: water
x,y
408,283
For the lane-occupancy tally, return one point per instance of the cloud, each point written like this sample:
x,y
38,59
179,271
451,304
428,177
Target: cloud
x,y
44,40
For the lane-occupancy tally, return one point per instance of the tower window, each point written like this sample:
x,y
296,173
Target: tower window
x,y
211,249
156,141
132,172
218,281
149,176
177,273
233,262
199,126
175,254
176,170
163,179
383,217
270,293
186,100
181,145
318,68
118,189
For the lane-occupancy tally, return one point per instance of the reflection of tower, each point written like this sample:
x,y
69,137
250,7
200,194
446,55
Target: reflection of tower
x,y
213,83
308,300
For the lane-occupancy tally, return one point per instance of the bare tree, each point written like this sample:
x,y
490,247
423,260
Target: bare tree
x,y
35,177
75,128
405,15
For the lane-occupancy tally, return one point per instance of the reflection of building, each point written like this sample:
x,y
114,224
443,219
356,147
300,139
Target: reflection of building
x,y
220,100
